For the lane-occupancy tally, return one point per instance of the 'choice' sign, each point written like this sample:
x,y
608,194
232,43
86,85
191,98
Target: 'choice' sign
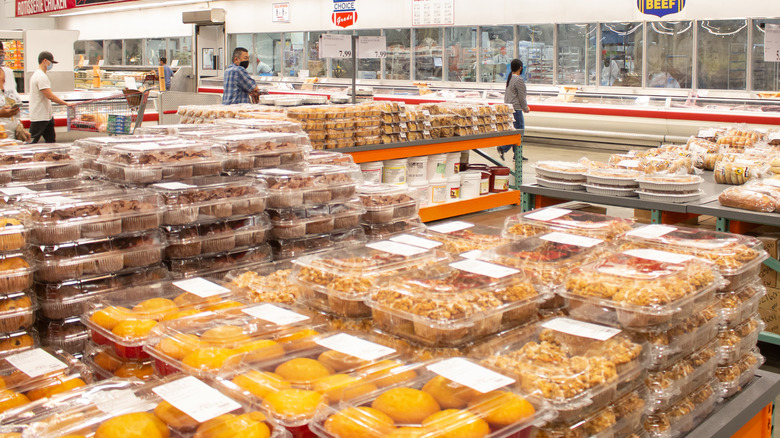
x,y
344,13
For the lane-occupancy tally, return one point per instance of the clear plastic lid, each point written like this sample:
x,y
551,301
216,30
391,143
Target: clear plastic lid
x,y
263,142
736,375
309,185
384,231
569,221
13,229
564,167
175,406
738,305
641,288
16,274
12,194
668,385
263,125
218,265
216,237
458,237
452,303
737,341
18,342
328,157
17,311
36,155
107,364
163,130
269,283
151,153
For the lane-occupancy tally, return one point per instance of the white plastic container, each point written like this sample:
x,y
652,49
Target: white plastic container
x,y
436,167
453,164
439,193
484,186
453,188
395,172
424,189
470,183
372,172
417,170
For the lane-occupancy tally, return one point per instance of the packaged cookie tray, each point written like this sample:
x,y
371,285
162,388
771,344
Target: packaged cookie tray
x,y
613,177
72,297
330,158
146,407
641,289
238,165
87,257
550,219
385,231
395,208
201,345
684,416
669,385
92,146
670,183
285,249
213,131
561,170
19,341
124,323
12,194
457,237
560,185
217,265
67,334
207,199
735,376
308,185
33,163
308,372
161,171
552,359
266,283
737,341
739,305
272,126
107,365
339,281
185,241
295,223
261,142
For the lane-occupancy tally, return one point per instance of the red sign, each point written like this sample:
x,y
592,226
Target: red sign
x,y
344,13
34,7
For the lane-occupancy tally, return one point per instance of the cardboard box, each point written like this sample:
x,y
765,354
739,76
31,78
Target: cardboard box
x,y
769,302
771,242
771,319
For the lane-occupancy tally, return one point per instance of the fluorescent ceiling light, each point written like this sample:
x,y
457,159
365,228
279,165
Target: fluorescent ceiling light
x,y
139,5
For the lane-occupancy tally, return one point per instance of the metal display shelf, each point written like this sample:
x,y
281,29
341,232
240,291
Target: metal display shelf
x,y
493,200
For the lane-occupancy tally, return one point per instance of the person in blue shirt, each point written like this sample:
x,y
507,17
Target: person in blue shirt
x,y
238,83
167,71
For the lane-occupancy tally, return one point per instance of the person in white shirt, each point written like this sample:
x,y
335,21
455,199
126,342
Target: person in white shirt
x,y
9,85
41,97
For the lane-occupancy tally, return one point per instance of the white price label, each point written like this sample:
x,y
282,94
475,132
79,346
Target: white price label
x,y
372,47
10,191
201,287
579,328
56,200
396,248
629,163
469,374
479,267
571,239
354,346
335,46
408,239
547,214
119,401
196,399
450,227
175,63
772,43
471,255
659,256
142,147
174,186
275,314
101,62
36,363
651,231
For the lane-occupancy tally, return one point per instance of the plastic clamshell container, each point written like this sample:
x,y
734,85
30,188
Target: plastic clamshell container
x,y
262,142
13,230
670,183
561,170
38,162
331,158
602,190
386,203
203,344
299,222
145,406
262,125
685,415
323,356
73,216
17,311
92,146
738,305
560,185
185,241
72,297
669,385
458,237
738,258
125,318
267,283
737,341
218,265
448,304
613,177
735,376
670,197
308,185
151,162
107,365
385,231
551,359
641,289
171,129
424,379
14,194
67,334
338,282
88,257
18,341
16,273
582,223
346,214
210,198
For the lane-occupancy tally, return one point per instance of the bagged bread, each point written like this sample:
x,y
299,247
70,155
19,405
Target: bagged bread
x,y
756,196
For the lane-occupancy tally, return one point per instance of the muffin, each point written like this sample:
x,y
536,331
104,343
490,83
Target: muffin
x,y
14,236
16,312
15,275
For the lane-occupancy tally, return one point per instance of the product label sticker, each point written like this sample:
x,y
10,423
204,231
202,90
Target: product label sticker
x,y
201,287
174,186
629,163
579,328
571,239
471,255
10,191
659,256
450,227
140,147
56,200
196,399
408,239
354,346
547,214
396,248
651,231
479,267
707,133
36,363
469,374
275,314
119,401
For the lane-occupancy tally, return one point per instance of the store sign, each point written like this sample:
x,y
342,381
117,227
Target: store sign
x,y
34,7
281,12
344,13
659,8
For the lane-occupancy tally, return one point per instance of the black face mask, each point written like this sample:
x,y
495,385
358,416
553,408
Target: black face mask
x,y
244,64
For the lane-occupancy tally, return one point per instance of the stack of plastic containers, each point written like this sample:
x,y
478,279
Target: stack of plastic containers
x,y
86,244
389,210
312,208
25,164
312,121
459,237
561,175
262,150
581,223
390,115
504,114
89,149
419,123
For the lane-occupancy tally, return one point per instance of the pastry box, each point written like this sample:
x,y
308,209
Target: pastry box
x,y
549,219
67,334
668,385
268,283
16,273
346,214
737,341
561,170
449,304
107,365
738,305
387,203
13,230
458,237
735,376
298,222
329,157
685,415
669,183
613,177
13,194
17,310
216,266
38,162
18,341
185,241
386,231
338,282
171,129
308,185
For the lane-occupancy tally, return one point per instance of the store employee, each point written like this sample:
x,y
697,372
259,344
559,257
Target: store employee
x,y
238,83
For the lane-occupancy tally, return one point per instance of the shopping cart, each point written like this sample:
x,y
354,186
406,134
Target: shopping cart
x,y
116,115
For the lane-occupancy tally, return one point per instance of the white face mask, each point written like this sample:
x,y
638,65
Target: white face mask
x,y
51,66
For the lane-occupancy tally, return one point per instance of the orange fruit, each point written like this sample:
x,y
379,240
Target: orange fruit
x,y
387,372
135,369
178,345
174,417
260,350
502,408
109,317
11,399
302,370
359,423
208,359
134,329
449,394
250,425
181,314
107,361
19,435
187,299
342,387
155,308
228,336
260,383
135,425
407,432
406,405
58,386
340,361
455,423
293,403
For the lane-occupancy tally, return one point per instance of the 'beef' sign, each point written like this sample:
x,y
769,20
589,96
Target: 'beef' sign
x,y
659,8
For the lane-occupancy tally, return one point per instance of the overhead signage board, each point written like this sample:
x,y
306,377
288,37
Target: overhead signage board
x,y
34,7
660,8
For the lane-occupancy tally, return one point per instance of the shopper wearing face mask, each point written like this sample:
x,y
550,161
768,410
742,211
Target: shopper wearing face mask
x,y
41,97
10,82
238,83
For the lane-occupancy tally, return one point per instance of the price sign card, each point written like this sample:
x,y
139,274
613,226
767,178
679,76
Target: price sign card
x,y
772,43
335,46
372,47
